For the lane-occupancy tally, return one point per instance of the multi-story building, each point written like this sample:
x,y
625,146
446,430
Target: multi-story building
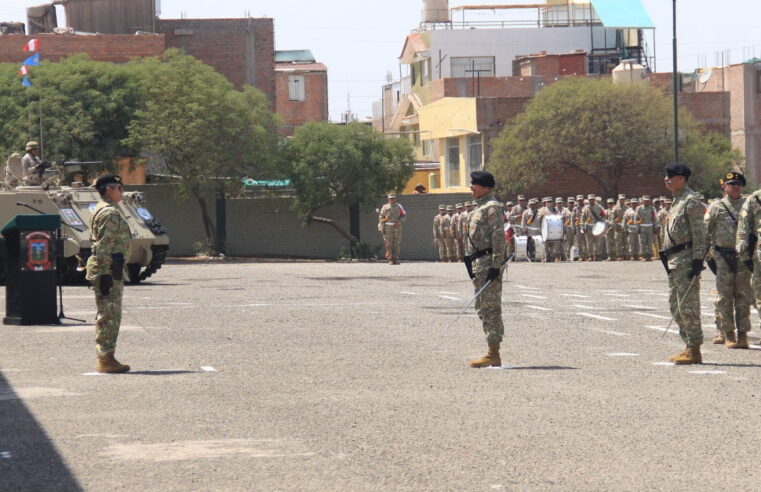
x,y
301,89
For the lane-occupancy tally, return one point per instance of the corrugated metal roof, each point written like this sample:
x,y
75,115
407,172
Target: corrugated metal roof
x,y
290,56
300,67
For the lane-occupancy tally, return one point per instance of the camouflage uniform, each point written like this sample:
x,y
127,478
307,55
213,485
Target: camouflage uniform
x,y
457,232
619,231
446,227
578,229
662,217
391,217
110,236
632,233
732,276
486,230
590,215
685,225
515,216
552,249
647,223
568,229
750,224
530,227
438,234
29,165
610,235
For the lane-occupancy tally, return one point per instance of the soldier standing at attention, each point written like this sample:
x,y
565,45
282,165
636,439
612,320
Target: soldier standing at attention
x,y
105,270
486,249
457,231
647,222
732,277
568,229
438,233
683,256
509,219
578,228
30,165
590,215
518,215
446,227
551,248
610,234
391,217
632,229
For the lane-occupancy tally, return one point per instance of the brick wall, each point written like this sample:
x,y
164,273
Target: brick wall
x,y
117,48
712,109
489,87
492,115
313,108
243,50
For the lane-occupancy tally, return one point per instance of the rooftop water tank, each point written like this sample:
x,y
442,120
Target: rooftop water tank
x,y
629,72
435,11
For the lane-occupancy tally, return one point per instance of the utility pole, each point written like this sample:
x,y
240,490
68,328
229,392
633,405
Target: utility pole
x,y
676,93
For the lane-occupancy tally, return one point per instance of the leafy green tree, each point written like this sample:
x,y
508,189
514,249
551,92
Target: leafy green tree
x,y
603,130
77,108
351,165
207,134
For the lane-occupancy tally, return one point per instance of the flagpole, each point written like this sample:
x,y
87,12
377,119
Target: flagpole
x,y
42,144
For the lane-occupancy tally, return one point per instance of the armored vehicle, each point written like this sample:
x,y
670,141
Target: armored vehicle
x,y
75,204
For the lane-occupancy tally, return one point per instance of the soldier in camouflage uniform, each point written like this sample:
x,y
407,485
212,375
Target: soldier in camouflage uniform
x,y
509,245
552,249
530,227
632,229
578,228
684,250
590,215
391,217
438,233
446,227
748,231
732,276
30,165
457,231
647,224
616,217
610,234
486,248
105,270
518,214
568,228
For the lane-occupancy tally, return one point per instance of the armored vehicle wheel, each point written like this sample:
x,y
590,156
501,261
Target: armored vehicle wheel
x,y
133,273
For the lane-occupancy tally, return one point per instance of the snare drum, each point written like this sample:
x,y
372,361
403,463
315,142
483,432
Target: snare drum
x,y
552,228
521,248
600,228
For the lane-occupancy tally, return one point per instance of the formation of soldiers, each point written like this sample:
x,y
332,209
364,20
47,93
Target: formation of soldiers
x,y
628,229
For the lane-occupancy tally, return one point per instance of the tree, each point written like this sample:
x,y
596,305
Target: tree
x,y
82,108
208,135
603,130
351,165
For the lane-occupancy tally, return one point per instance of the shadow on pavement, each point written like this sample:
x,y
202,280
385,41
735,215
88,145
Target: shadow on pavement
x,y
729,364
28,459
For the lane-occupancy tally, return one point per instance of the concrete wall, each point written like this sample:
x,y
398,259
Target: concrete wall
x,y
267,227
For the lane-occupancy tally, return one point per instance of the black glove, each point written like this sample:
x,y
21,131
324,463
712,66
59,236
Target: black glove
x,y
711,262
697,267
749,264
106,282
492,273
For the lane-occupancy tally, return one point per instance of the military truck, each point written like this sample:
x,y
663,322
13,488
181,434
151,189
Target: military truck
x,y
75,204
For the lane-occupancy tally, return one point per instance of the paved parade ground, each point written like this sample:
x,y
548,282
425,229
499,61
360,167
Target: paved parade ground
x,y
333,376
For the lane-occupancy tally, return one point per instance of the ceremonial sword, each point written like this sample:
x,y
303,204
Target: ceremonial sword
x,y
466,307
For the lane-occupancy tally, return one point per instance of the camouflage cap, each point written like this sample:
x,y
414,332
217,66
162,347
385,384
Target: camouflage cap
x,y
450,207
521,197
32,145
667,200
458,205
591,197
610,200
579,197
532,201
546,199
646,197
442,207
392,195
634,200
558,200
509,204
621,196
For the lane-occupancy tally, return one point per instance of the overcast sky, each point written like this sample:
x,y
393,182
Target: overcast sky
x,y
360,40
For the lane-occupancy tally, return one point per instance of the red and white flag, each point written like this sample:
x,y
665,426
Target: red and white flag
x,y
24,70
32,45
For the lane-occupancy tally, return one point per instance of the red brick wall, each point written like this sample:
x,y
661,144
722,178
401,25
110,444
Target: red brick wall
x,y
492,115
243,50
313,108
489,87
118,48
709,108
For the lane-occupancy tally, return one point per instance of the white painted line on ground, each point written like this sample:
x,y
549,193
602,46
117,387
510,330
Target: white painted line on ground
x,y
538,308
534,297
450,293
208,369
661,329
663,364
623,354
597,316
637,306
450,298
607,332
647,291
575,295
5,455
707,372
651,315
93,374
615,295
582,306
410,293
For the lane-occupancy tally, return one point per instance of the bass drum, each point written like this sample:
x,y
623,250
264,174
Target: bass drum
x,y
552,228
600,228
538,248
521,248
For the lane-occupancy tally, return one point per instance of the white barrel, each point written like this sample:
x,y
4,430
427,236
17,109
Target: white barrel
x,y
435,11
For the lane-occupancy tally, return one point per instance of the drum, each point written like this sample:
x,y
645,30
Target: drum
x,y
552,228
509,232
538,248
632,229
600,228
521,248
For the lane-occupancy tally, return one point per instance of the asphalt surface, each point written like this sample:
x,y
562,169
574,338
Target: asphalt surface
x,y
333,376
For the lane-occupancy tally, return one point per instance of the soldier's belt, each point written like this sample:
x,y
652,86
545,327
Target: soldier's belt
x,y
729,255
469,259
676,249
480,253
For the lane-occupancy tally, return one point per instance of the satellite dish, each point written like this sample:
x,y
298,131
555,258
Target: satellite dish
x,y
705,76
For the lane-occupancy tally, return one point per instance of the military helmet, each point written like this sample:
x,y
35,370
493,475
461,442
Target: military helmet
x,y
32,145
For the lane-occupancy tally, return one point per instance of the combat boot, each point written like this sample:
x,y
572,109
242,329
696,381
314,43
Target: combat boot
x,y
491,359
109,365
741,343
690,356
719,339
729,338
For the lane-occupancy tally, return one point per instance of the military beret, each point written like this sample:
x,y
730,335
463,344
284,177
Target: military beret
x,y
733,178
521,197
458,205
678,169
591,197
449,207
482,178
107,179
610,200
442,207
621,196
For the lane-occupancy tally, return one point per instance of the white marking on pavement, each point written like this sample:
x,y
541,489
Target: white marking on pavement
x,y
664,364
527,288
661,329
93,374
582,306
575,295
707,372
637,306
450,293
538,308
615,295
623,354
533,296
208,369
5,455
651,315
597,316
607,332
451,298
212,449
410,293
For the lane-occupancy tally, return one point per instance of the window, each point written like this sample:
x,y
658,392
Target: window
x,y
453,161
474,153
473,66
428,149
296,89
